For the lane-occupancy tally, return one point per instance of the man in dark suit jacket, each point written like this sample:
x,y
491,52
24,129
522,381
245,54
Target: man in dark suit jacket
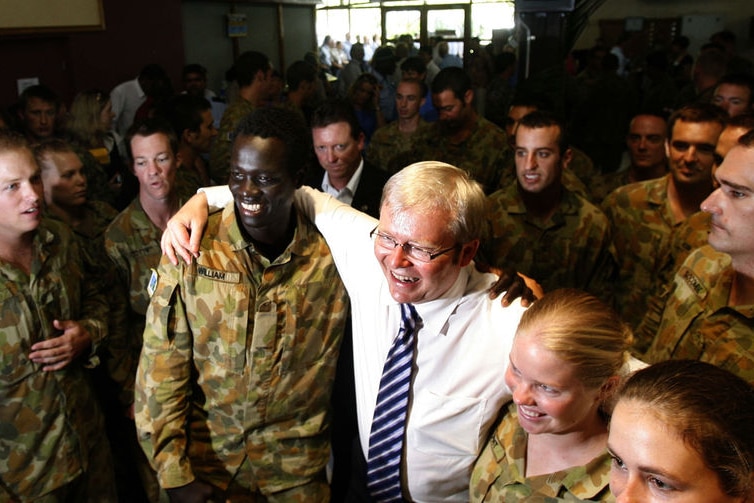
x,y
338,144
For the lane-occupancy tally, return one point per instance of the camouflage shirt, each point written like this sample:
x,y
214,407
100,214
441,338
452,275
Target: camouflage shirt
x,y
481,154
132,242
188,180
499,472
219,160
573,248
688,236
91,238
389,146
238,361
50,422
601,185
698,323
643,224
605,183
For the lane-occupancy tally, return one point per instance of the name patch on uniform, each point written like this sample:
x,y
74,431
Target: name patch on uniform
x,y
694,283
224,276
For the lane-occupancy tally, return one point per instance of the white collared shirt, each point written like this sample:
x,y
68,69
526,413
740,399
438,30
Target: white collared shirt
x,y
346,194
461,355
125,99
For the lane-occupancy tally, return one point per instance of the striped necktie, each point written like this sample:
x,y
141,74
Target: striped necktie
x,y
389,422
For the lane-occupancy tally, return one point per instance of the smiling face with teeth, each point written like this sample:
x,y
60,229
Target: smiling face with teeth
x,y
20,193
262,187
549,396
410,280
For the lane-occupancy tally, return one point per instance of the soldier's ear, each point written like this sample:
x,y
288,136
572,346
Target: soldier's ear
x,y
566,158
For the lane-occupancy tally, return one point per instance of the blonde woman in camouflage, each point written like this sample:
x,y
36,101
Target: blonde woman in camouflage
x,y
550,445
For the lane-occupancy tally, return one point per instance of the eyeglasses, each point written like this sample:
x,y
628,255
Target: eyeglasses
x,y
415,252
701,148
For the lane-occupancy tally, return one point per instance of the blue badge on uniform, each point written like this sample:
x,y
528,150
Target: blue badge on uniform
x,y
152,285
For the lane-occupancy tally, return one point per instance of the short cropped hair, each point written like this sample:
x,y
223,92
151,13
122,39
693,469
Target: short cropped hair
x,y
184,111
194,68
40,92
542,119
337,110
11,141
148,127
433,186
418,83
743,121
696,113
299,71
454,79
248,65
287,126
414,64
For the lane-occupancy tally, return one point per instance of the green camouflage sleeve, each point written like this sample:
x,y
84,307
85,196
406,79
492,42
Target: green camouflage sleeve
x,y
163,382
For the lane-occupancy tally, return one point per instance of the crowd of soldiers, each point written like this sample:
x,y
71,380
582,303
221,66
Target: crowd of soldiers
x,y
121,370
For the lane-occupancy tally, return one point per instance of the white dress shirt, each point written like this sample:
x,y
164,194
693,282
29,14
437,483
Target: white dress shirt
x,y
345,195
461,355
125,99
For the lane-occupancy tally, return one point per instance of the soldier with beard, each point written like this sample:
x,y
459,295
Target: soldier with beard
x,y
461,137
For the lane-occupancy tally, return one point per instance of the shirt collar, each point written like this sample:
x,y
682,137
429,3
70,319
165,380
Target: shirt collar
x,y
436,313
349,190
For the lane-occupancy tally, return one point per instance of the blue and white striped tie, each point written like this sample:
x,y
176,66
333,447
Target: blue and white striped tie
x,y
389,422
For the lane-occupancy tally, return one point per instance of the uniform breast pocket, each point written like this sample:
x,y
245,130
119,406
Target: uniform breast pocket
x,y
447,425
219,321
15,341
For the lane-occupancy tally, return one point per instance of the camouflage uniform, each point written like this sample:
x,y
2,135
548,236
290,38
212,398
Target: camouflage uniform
x,y
51,429
481,154
605,183
499,472
132,242
698,323
187,181
389,145
91,239
643,225
219,160
238,362
572,248
569,178
688,236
